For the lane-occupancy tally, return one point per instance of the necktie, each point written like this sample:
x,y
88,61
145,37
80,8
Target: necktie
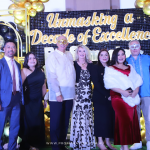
x,y
14,78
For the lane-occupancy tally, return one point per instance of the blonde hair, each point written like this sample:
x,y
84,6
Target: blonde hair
x,y
87,52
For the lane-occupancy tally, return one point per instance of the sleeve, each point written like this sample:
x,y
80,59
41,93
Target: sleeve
x,y
51,74
98,86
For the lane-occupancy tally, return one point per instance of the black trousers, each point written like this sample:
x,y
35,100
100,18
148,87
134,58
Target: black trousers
x,y
59,121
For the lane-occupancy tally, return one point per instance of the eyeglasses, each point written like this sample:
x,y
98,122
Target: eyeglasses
x,y
135,46
64,42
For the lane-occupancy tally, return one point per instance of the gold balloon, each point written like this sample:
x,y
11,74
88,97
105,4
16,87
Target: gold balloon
x,y
142,121
19,14
17,21
43,1
34,5
139,3
146,8
12,6
23,23
143,134
27,5
32,12
19,2
33,1
40,7
20,27
1,55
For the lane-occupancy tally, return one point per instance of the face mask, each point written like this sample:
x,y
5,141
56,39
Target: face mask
x,y
135,46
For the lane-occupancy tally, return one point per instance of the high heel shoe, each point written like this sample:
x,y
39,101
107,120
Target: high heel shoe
x,y
101,144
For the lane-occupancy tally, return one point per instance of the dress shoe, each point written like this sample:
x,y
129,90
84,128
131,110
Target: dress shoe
x,y
148,145
136,145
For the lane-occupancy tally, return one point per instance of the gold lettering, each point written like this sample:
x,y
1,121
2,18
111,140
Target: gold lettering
x,y
50,39
44,39
96,32
106,36
140,35
102,38
107,20
49,19
80,22
112,34
87,22
86,36
118,35
35,33
114,22
146,35
95,19
101,19
72,22
71,38
132,35
80,37
128,18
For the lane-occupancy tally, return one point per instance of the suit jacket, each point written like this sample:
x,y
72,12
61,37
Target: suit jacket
x,y
6,83
100,94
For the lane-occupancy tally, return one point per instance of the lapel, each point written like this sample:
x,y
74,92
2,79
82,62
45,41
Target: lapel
x,y
6,68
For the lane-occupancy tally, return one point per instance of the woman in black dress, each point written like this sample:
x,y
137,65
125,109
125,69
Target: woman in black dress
x,y
104,116
32,119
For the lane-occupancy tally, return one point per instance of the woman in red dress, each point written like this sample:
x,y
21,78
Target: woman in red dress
x,y
124,83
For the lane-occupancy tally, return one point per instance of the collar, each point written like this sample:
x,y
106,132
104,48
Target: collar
x,y
7,58
61,53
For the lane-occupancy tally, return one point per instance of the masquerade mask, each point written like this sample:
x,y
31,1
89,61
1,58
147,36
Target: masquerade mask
x,y
135,46
64,42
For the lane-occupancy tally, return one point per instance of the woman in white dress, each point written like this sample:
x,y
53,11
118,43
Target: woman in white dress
x,y
82,126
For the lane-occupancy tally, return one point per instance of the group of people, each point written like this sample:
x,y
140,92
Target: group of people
x,y
121,90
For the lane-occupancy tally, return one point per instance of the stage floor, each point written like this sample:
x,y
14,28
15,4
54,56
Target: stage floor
x,y
117,146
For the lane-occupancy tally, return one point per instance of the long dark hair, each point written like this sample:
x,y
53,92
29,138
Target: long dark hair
x,y
99,63
25,64
114,58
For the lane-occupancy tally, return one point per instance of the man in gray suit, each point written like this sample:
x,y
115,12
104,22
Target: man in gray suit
x,y
11,94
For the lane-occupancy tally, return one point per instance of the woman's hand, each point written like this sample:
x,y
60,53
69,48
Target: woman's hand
x,y
126,93
135,92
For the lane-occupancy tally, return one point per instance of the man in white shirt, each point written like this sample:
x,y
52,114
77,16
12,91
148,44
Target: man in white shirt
x,y
11,94
61,83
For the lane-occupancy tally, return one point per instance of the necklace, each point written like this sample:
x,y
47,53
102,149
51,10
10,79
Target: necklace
x,y
82,64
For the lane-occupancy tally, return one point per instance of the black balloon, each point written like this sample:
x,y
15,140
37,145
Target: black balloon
x,y
10,29
4,29
9,36
13,24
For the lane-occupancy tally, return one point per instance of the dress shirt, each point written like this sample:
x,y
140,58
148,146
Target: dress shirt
x,y
60,75
141,65
9,62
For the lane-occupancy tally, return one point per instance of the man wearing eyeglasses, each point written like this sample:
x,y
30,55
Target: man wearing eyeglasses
x,y
61,83
141,63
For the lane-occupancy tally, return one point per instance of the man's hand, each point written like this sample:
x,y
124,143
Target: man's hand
x,y
59,98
